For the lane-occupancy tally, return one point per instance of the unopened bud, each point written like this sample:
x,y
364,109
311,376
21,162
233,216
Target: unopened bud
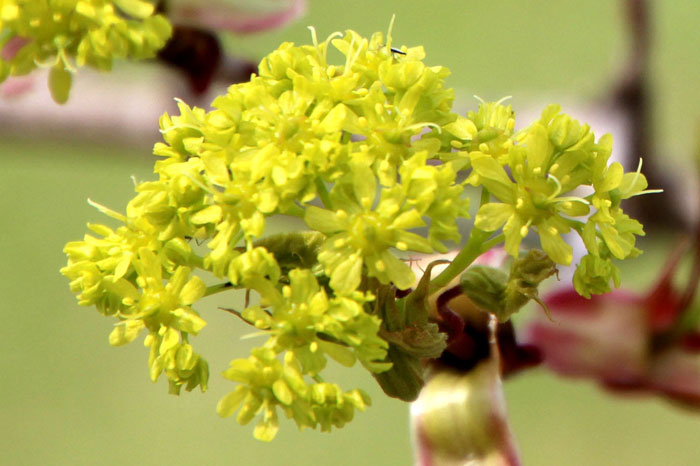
x,y
526,274
501,294
486,287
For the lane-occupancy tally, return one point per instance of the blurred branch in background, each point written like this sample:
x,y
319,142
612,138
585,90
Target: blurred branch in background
x,y
632,98
195,48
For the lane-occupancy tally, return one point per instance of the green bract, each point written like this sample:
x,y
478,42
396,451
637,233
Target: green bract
x,y
368,153
66,34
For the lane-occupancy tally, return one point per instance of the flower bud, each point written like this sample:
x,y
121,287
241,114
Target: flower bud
x,y
486,287
503,295
526,274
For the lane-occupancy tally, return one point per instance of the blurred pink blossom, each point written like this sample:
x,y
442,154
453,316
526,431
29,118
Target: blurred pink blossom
x,y
628,342
14,85
13,46
242,17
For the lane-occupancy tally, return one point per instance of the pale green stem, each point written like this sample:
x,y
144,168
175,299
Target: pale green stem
x,y
474,248
323,194
575,224
485,196
493,242
239,236
295,211
476,245
218,288
195,261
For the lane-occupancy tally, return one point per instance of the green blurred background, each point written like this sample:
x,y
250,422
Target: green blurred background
x,y
67,397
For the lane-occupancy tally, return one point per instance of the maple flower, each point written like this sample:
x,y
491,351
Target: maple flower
x,y
303,319
361,233
535,180
547,162
266,384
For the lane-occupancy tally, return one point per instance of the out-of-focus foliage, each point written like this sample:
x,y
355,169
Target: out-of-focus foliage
x,y
67,34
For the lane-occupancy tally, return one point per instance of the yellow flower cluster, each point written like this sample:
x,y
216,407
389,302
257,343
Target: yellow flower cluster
x,y
367,153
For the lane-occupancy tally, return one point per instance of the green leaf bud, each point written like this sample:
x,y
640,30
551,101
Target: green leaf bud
x,y
294,249
504,294
526,274
486,287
